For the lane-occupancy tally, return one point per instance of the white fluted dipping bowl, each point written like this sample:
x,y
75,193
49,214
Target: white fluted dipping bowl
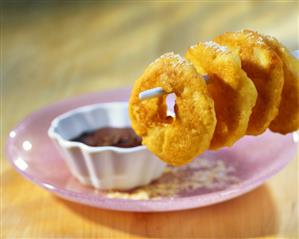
x,y
104,167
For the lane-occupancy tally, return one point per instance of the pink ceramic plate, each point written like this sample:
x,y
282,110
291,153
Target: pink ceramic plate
x,y
213,177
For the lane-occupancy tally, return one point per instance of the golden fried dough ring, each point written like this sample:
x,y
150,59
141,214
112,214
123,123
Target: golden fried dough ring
x,y
175,140
264,67
287,119
233,92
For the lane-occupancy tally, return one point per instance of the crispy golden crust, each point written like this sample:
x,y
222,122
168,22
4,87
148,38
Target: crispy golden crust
x,y
233,92
264,67
175,140
287,119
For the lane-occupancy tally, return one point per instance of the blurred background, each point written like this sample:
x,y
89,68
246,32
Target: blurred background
x,y
51,50
56,49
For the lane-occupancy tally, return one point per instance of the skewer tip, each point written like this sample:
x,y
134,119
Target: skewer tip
x,y
151,93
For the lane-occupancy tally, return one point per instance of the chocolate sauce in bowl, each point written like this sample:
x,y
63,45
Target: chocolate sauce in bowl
x,y
109,136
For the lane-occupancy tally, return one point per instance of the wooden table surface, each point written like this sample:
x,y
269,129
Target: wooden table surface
x,y
52,50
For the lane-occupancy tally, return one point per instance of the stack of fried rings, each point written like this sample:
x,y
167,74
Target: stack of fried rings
x,y
253,84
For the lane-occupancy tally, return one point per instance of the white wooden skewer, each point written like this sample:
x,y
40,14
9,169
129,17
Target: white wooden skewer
x,y
158,91
151,93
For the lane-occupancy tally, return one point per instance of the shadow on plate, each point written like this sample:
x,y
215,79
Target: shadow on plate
x,y
251,215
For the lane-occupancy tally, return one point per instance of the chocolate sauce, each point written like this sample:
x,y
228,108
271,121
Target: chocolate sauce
x,y
118,137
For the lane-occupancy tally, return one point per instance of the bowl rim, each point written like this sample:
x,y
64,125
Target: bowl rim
x,y
91,149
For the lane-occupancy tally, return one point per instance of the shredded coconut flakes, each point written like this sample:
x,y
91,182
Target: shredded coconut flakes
x,y
201,174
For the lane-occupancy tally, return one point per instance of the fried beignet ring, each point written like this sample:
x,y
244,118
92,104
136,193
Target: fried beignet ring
x,y
176,140
233,92
287,119
264,67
